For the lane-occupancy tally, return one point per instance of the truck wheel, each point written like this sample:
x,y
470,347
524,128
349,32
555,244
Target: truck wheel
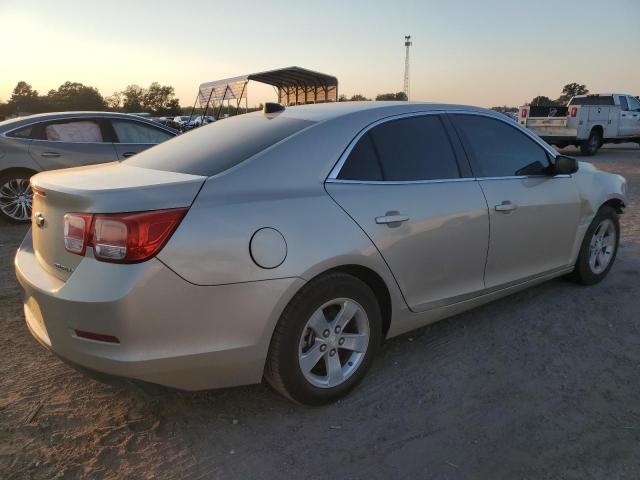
x,y
590,146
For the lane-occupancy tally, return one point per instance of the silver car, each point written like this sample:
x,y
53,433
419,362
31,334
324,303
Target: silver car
x,y
288,245
36,143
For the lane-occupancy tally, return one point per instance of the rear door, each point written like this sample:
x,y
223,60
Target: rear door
x,y
533,216
402,184
71,142
132,137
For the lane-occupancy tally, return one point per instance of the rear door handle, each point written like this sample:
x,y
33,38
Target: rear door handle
x,y
506,207
128,154
50,154
393,219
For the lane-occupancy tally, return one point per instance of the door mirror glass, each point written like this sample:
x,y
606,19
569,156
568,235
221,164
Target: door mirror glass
x,y
565,165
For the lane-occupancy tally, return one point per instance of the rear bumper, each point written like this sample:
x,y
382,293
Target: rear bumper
x,y
171,332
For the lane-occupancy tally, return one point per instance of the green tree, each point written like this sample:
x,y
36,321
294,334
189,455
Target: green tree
x,y
76,96
133,98
114,101
359,98
160,100
570,90
25,99
542,100
392,96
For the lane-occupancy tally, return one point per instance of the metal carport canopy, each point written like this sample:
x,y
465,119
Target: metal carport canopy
x,y
304,86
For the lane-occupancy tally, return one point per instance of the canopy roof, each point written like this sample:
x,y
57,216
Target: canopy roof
x,y
295,85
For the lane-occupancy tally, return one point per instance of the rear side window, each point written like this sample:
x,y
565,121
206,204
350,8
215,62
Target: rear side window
x,y
623,103
363,163
138,132
498,149
220,145
408,149
593,100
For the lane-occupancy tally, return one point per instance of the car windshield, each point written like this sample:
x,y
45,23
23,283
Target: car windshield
x,y
214,148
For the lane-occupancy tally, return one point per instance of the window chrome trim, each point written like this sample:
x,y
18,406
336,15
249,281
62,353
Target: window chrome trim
x,y
88,117
400,182
445,180
335,171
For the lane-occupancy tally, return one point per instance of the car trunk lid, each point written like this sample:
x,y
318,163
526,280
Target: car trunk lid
x,y
109,188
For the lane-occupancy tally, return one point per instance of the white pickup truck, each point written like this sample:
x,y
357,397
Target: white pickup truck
x,y
587,121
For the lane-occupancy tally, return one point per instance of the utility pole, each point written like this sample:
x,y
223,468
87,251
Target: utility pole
x,y
407,44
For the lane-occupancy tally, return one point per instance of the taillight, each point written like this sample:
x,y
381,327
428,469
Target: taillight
x,y
574,111
76,232
128,237
523,113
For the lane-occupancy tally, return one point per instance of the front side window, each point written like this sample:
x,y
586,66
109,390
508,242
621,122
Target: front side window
x,y
634,104
498,149
80,131
137,132
407,149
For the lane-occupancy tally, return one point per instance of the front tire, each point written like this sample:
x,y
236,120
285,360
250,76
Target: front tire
x,y
325,340
599,248
16,196
590,146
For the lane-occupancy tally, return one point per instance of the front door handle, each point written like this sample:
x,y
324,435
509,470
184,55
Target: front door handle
x,y
128,154
392,219
50,154
506,207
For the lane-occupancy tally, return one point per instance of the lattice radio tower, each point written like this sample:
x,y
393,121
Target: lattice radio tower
x,y
407,44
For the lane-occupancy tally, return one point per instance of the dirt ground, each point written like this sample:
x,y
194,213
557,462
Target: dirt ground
x,y
544,384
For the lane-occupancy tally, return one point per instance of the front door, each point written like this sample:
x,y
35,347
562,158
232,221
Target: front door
x,y
533,215
401,183
132,137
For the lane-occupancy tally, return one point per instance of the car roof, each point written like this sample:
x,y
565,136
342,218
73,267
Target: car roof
x,y
26,120
325,111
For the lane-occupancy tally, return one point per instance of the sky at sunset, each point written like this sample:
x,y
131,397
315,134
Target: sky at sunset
x,y
485,53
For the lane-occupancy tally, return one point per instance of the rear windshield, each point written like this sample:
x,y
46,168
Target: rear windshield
x,y
604,100
219,146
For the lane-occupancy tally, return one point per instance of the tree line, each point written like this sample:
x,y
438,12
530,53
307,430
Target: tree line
x,y
400,96
155,99
569,91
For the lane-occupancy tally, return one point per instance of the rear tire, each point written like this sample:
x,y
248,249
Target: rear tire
x,y
16,196
325,340
599,248
590,146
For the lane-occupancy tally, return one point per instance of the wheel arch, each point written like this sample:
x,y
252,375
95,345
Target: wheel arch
x,y
616,203
13,170
376,284
598,128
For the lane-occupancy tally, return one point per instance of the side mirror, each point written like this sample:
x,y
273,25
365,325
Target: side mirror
x,y
565,165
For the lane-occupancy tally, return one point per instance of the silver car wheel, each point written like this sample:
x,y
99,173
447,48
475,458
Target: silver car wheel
x,y
602,246
16,198
334,342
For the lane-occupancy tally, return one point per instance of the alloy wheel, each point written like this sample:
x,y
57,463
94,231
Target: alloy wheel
x,y
16,198
333,343
602,246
